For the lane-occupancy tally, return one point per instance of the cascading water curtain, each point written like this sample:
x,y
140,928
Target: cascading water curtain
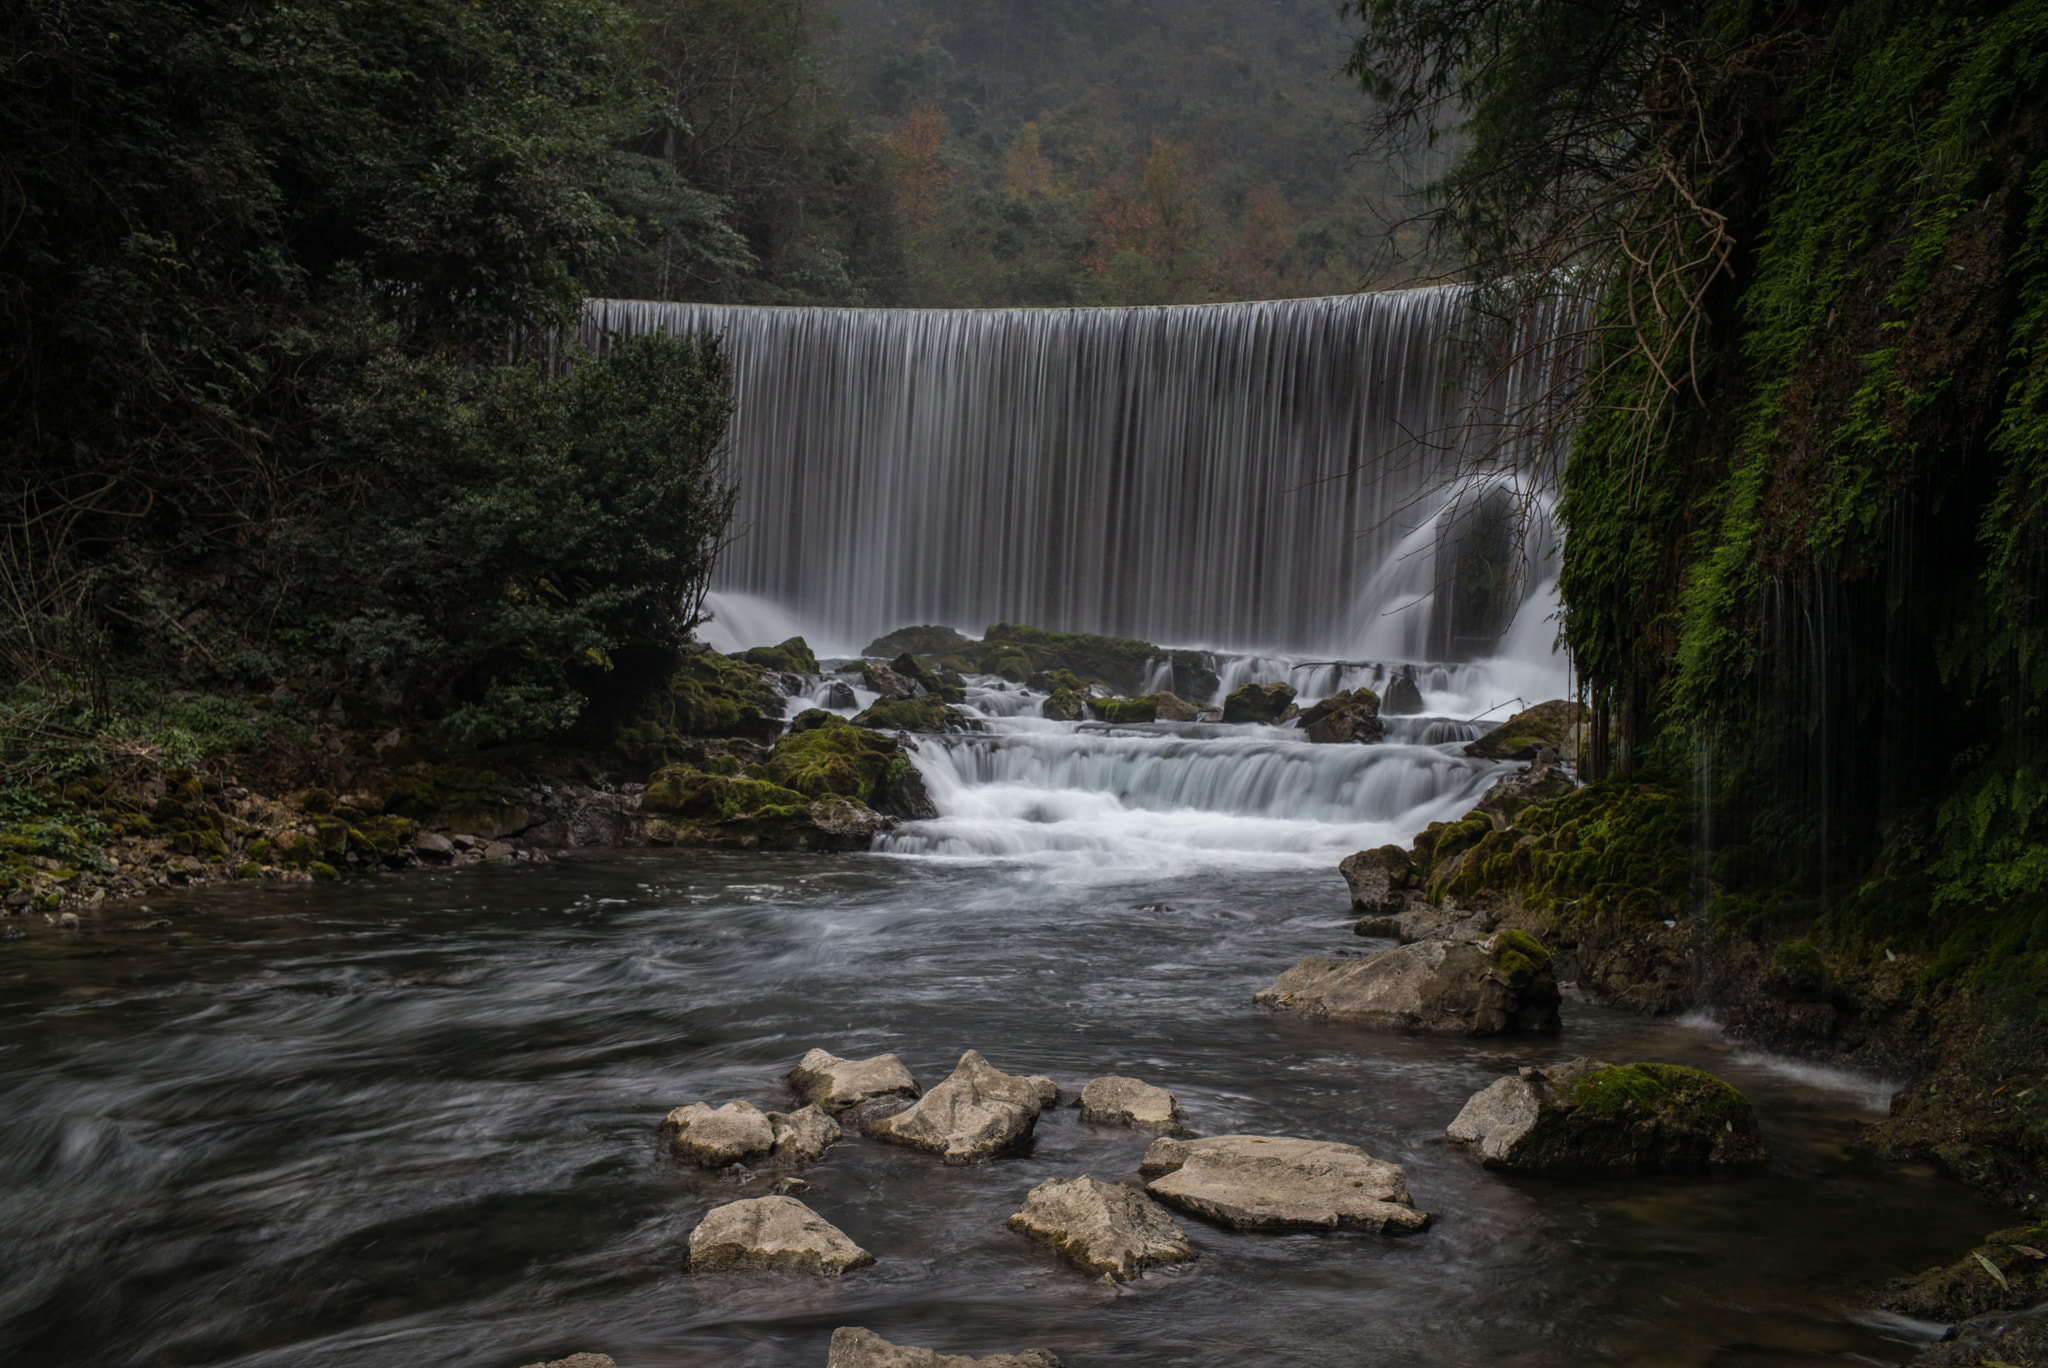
x,y
1225,475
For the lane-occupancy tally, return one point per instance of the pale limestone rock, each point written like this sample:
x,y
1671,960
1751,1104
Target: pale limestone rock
x,y
712,1137
1102,1228
803,1136
773,1232
578,1361
1440,987
856,1348
836,1084
1118,1101
978,1111
1278,1182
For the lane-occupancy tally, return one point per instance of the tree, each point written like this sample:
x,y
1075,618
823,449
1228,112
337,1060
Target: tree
x,y
922,173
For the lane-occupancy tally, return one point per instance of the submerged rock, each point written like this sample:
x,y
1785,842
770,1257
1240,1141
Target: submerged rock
x,y
837,1084
853,1347
1350,716
712,1137
1554,726
1377,879
1590,1117
1102,1228
773,1232
1442,987
1278,1182
1258,703
1114,1100
977,1112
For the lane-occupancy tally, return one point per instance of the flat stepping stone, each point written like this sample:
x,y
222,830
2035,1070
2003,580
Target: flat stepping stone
x,y
977,1112
1114,1100
856,1348
773,1232
1278,1182
837,1084
1102,1228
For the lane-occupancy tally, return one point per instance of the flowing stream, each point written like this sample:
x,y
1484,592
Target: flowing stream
x,y
412,1120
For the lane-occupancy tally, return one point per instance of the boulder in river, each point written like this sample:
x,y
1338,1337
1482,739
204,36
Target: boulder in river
x,y
1114,1100
1588,1117
887,682
1554,726
836,1084
773,1232
793,656
803,1136
1102,1228
578,1361
1174,708
926,713
1064,705
1278,1182
853,1347
977,1112
1258,703
1404,696
712,1137
924,641
1350,716
1377,879
1504,983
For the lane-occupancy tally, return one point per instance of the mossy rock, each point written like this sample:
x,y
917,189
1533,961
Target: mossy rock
x,y
810,719
1118,662
1258,703
1011,662
1799,966
1144,709
793,656
323,871
714,695
1065,705
834,757
1555,725
1588,1117
1052,681
930,641
259,851
249,870
926,714
910,667
715,798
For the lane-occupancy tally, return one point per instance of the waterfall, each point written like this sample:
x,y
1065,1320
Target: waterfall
x,y
1266,476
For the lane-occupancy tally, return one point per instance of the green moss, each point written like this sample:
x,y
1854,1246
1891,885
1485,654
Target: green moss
x,y
1658,1088
1018,652
793,656
834,757
714,695
1144,709
1799,964
923,641
249,870
323,871
1519,958
1065,705
926,714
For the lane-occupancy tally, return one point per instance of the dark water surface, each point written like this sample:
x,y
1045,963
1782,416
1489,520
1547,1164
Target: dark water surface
x,y
411,1121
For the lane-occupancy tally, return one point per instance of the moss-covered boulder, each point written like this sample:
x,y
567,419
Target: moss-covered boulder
x,y
1144,709
935,642
793,656
1586,1117
1484,987
1352,715
934,682
836,758
692,794
1258,703
1554,725
714,695
884,680
1065,705
1117,662
925,714
2006,1273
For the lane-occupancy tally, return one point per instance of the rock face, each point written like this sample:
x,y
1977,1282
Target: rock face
x,y
1404,696
836,1084
977,1112
1113,1100
712,1137
856,1348
1258,703
1553,725
1102,1227
1440,987
1590,1117
1277,1182
1353,715
1431,922
1377,879
773,1232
